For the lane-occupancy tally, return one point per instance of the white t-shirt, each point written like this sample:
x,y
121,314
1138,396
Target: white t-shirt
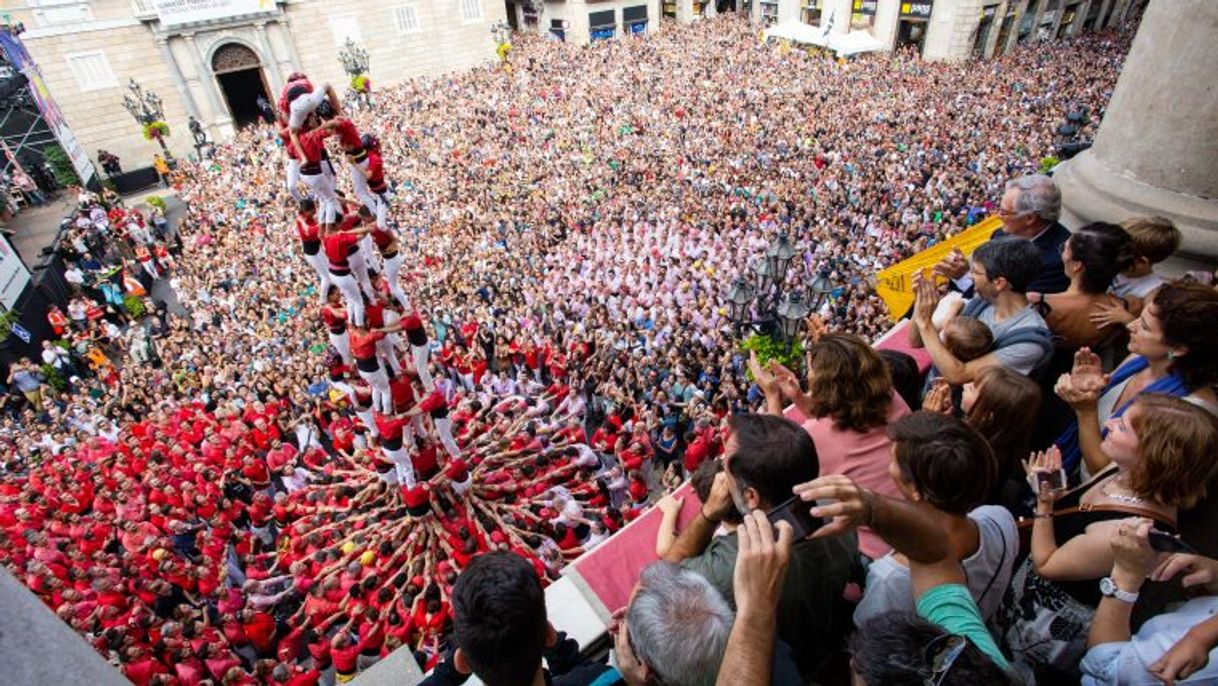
x,y
988,571
1138,286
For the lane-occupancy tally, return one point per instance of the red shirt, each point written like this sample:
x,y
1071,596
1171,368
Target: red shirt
x,y
376,171
402,393
307,228
390,428
313,144
434,401
338,247
333,322
363,345
261,631
286,137
348,135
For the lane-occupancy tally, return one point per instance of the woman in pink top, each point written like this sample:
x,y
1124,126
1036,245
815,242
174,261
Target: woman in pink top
x,y
848,406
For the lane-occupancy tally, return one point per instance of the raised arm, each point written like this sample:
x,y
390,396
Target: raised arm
x,y
694,539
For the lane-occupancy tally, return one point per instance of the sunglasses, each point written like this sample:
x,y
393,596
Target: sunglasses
x,y
941,654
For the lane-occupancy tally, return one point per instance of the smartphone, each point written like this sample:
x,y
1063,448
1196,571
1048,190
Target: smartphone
x,y
798,514
1049,481
1167,543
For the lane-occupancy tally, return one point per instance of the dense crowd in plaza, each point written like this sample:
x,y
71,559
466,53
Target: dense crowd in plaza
x,y
420,356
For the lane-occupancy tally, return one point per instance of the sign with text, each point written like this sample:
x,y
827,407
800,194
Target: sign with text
x,y
895,284
14,277
174,12
920,10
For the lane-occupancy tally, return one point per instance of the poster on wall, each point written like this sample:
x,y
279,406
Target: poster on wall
x,y
175,12
21,60
14,277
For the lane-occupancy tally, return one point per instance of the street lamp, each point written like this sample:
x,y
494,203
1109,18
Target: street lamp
x,y
500,31
147,109
779,254
739,298
791,314
781,313
819,290
354,58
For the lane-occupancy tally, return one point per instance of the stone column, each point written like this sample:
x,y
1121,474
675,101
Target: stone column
x,y
840,11
787,10
1156,151
285,33
179,82
887,14
1021,8
1080,18
991,41
1102,17
271,64
949,33
685,10
220,116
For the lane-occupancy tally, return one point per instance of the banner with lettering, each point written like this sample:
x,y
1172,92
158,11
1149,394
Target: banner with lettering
x,y
895,284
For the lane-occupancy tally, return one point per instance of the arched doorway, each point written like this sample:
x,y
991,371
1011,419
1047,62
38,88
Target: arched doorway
x,y
239,73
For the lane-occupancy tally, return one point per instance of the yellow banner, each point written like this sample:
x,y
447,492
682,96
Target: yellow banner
x,y
895,284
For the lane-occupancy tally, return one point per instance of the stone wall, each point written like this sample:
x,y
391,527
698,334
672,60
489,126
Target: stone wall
x,y
96,112
298,34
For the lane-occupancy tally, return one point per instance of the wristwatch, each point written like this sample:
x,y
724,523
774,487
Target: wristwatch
x,y
1109,588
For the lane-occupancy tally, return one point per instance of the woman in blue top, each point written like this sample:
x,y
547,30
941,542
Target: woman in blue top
x,y
1174,351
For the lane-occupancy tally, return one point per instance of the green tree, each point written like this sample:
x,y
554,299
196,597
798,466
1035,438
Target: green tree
x,y
61,164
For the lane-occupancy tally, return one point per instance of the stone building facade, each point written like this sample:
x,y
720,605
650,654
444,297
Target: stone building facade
x,y
582,21
941,29
211,59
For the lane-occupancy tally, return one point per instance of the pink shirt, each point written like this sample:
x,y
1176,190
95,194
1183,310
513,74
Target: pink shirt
x,y
863,457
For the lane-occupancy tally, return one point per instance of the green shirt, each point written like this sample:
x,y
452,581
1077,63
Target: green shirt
x,y
952,607
819,570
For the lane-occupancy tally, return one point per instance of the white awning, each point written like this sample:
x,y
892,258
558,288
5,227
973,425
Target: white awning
x,y
844,44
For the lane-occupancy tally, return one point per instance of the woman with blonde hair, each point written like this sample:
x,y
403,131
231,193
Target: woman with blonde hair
x,y
1163,452
849,404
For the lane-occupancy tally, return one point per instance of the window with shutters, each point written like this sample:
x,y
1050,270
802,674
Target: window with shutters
x,y
406,19
92,70
471,10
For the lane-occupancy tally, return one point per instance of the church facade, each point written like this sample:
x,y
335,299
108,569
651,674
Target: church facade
x,y
214,59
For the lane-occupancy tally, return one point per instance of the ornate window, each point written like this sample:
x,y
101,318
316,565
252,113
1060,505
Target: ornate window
x,y
234,57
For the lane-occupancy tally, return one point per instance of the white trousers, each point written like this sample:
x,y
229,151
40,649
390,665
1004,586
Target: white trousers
x,y
393,268
382,400
293,179
381,209
321,186
402,465
368,420
360,184
342,344
385,351
350,289
444,427
359,267
420,354
322,267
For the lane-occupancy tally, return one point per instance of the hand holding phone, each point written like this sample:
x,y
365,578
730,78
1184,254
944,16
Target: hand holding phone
x,y
798,514
1167,543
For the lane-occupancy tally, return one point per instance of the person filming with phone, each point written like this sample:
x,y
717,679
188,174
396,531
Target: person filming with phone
x,y
1174,648
764,457
1163,452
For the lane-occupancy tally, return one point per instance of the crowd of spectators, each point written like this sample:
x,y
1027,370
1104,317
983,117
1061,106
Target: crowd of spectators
x,y
274,485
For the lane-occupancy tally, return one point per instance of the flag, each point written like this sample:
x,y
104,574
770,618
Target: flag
x,y
895,284
829,24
